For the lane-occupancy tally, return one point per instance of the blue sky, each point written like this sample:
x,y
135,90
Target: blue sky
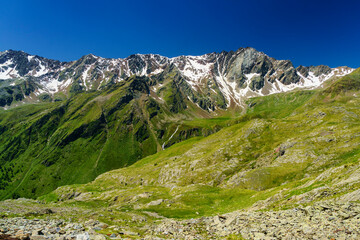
x,y
306,32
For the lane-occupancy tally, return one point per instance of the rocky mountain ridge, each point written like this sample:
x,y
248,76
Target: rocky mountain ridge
x,y
230,76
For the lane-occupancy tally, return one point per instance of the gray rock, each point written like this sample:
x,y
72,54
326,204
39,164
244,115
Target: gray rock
x,y
78,227
37,232
97,237
113,235
84,236
155,202
38,237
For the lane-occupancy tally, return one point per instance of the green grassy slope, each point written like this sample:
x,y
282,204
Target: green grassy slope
x,y
43,146
347,83
288,149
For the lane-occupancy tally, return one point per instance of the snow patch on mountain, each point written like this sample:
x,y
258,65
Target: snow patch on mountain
x,y
247,91
43,70
249,76
312,81
8,70
195,67
85,75
30,57
52,85
66,83
157,71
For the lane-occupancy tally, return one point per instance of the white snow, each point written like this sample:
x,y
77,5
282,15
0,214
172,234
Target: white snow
x,y
249,76
311,81
9,72
51,85
163,146
30,57
85,75
66,83
284,88
42,70
223,87
41,90
236,92
143,71
227,88
157,71
342,71
195,69
247,92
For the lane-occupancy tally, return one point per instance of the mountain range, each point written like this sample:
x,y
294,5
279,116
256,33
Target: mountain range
x,y
68,122
212,81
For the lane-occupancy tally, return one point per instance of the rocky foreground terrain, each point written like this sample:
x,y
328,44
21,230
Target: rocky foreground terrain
x,y
23,228
323,220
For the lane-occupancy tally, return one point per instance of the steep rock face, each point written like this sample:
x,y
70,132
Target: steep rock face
x,y
212,81
18,64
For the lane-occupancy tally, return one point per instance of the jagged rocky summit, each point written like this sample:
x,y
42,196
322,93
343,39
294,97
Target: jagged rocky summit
x,y
212,81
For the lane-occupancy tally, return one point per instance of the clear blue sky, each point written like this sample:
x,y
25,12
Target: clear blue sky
x,y
306,32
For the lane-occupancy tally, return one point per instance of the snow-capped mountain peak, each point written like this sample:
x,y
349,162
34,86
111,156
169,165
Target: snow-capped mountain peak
x,y
235,75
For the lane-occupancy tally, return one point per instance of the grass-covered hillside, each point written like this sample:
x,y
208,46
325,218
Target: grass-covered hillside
x,y
288,149
50,144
